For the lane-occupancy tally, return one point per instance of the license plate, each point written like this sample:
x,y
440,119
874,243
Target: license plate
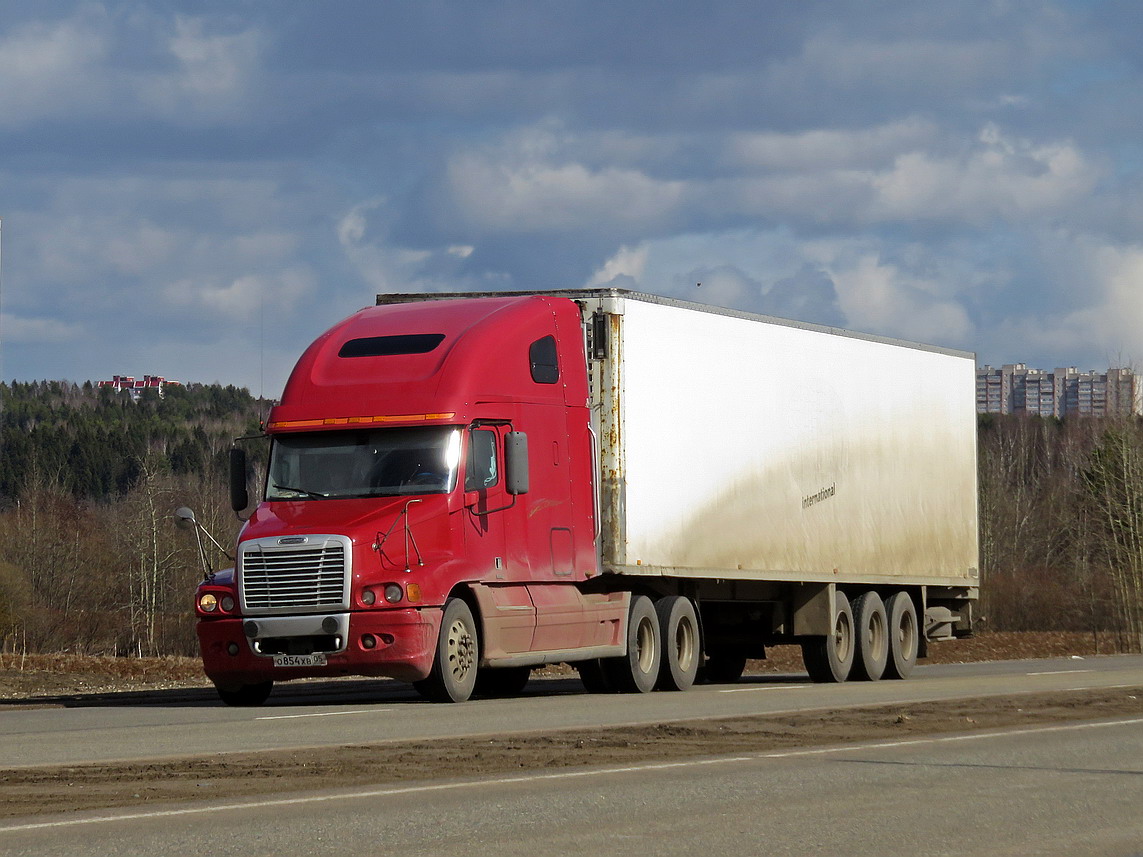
x,y
314,660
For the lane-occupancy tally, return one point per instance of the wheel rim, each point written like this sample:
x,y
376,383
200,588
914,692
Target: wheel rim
x,y
906,634
685,645
461,650
645,641
875,634
843,638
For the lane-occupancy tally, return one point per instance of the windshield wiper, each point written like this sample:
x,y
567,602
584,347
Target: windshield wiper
x,y
305,491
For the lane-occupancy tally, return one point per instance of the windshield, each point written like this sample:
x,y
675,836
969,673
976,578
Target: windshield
x,y
364,463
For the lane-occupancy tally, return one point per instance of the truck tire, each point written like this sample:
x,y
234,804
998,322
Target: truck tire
x,y
678,629
904,636
724,667
638,670
594,676
453,677
829,658
872,637
246,695
501,682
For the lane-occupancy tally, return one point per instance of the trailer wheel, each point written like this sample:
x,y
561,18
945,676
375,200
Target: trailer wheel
x,y
829,658
678,629
453,676
872,637
638,670
505,681
724,667
246,695
904,636
594,676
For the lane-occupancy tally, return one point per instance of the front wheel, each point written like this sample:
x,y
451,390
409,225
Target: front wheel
x,y
453,677
246,695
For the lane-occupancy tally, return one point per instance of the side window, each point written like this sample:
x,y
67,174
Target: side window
x,y
542,357
481,472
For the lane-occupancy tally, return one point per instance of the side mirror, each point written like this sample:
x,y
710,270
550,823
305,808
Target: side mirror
x,y
516,462
184,518
239,495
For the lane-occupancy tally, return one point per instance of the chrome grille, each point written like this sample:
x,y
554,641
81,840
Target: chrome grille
x,y
295,577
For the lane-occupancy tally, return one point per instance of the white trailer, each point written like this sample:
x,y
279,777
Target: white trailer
x,y
800,483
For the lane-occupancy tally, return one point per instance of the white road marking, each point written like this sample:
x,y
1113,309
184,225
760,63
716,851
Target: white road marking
x,y
757,689
1060,672
550,777
324,714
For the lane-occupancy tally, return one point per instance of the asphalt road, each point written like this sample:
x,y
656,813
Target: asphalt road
x,y
1071,789
164,725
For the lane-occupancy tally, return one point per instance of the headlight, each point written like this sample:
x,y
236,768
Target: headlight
x,y
393,592
368,596
227,603
207,603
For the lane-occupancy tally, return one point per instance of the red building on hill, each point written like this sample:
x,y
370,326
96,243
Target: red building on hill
x,y
119,383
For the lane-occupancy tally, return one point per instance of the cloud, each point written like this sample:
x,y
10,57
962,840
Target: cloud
x,y
873,147
964,172
365,236
491,196
626,265
48,67
105,65
245,297
21,329
883,297
808,295
1001,177
211,75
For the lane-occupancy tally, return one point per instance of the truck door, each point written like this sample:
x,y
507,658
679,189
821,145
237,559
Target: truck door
x,y
486,500
509,617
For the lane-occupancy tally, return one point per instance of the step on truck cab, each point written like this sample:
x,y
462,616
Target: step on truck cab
x,y
463,487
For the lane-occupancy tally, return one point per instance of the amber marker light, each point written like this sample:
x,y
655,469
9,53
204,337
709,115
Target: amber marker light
x,y
358,421
413,592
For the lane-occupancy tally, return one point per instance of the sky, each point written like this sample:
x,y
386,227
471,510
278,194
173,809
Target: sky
x,y
197,190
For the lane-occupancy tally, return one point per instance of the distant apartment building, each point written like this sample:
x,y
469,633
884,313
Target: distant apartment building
x,y
128,383
1016,389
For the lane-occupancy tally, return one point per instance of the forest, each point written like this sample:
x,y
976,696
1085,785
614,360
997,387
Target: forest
x,y
91,560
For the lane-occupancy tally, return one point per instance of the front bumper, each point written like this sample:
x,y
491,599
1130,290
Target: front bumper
x,y
405,646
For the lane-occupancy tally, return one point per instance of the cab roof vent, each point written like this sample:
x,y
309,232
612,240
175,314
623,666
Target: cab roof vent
x,y
388,346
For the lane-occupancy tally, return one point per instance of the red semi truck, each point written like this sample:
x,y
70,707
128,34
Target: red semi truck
x,y
461,488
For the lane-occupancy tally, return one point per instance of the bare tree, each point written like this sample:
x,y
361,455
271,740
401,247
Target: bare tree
x,y
1114,483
